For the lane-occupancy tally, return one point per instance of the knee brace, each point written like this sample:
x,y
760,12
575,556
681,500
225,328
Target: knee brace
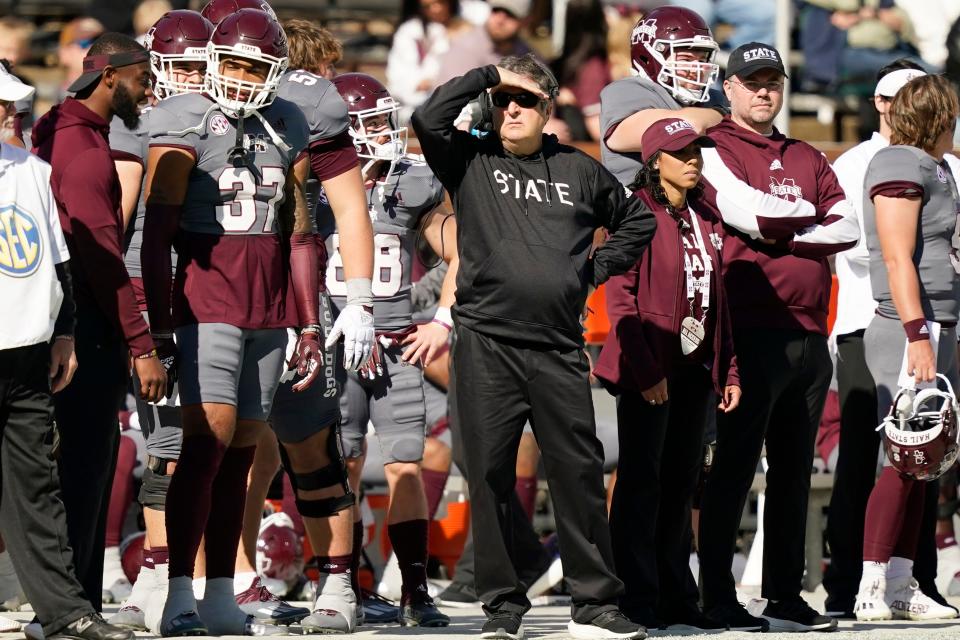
x,y
332,475
156,482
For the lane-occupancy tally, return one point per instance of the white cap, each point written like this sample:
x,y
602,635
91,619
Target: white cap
x,y
11,89
894,81
518,8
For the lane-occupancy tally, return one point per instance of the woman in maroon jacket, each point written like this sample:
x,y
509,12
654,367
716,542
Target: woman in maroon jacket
x,y
670,349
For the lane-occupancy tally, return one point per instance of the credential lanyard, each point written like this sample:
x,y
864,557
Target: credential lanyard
x,y
701,283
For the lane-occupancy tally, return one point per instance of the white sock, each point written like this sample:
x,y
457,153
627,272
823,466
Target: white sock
x,y
112,567
199,585
141,589
899,568
243,580
157,597
219,609
872,571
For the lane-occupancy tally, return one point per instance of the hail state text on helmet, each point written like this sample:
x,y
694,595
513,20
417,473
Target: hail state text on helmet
x,y
913,438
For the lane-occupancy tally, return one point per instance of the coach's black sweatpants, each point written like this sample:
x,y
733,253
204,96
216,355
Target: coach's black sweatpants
x,y
785,376
499,387
661,456
855,474
32,518
89,430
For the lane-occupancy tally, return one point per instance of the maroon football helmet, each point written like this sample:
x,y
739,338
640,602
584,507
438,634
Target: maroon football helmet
x,y
131,555
279,553
655,42
179,36
217,10
371,106
920,434
252,35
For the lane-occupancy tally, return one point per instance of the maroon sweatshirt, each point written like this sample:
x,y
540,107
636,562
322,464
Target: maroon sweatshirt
x,y
73,139
646,305
786,285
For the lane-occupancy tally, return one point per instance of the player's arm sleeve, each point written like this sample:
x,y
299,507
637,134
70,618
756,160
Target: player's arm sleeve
x,y
330,146
446,148
838,230
749,210
126,144
628,218
894,172
86,188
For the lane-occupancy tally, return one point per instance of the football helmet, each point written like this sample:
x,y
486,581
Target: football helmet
x,y
252,35
178,36
373,119
217,10
279,554
920,433
659,36
131,555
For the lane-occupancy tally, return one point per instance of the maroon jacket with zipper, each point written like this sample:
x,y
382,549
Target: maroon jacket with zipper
x,y
642,305
73,139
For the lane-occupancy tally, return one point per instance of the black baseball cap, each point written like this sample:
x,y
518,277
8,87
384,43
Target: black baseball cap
x,y
93,66
752,57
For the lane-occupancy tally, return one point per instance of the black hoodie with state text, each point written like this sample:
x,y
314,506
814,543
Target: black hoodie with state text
x,y
526,224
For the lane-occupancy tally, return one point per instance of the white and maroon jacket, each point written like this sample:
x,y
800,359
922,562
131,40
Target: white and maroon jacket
x,y
785,285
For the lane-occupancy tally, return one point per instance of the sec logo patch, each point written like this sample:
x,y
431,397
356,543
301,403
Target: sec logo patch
x,y
21,246
219,124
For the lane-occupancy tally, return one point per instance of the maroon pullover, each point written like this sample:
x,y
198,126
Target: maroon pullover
x,y
73,139
785,285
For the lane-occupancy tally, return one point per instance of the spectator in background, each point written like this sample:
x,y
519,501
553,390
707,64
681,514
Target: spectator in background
x,y
420,45
75,40
497,38
15,34
147,13
931,20
848,40
582,69
752,21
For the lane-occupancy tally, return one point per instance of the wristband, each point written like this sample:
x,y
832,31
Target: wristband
x,y
149,354
444,317
167,335
66,337
312,328
916,330
359,292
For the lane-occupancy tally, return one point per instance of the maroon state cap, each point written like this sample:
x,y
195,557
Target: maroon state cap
x,y
670,134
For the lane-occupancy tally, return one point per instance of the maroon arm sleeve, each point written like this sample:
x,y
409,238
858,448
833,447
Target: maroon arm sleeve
x,y
160,225
88,193
303,273
897,189
331,157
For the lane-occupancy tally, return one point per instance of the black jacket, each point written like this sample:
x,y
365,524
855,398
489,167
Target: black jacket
x,y
526,224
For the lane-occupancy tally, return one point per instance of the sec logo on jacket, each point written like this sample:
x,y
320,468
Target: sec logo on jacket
x,y
20,244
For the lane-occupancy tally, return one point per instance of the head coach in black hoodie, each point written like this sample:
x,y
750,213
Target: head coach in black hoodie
x,y
527,208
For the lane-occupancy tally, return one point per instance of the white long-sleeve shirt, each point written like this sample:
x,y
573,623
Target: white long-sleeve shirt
x,y
31,244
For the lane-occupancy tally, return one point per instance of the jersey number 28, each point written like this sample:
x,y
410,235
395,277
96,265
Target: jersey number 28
x,y
387,267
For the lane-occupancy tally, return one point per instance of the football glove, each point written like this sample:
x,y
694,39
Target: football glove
x,y
355,325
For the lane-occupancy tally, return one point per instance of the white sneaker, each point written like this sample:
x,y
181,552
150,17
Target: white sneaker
x,y
948,568
11,593
907,602
547,580
116,587
9,626
870,605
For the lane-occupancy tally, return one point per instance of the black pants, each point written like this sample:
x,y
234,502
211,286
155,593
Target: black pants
x,y
785,376
661,456
32,518
87,421
855,474
498,388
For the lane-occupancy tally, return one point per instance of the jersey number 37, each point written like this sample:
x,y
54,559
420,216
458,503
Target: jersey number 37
x,y
253,208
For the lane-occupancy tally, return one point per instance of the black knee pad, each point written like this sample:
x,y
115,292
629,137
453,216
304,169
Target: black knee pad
x,y
153,491
332,475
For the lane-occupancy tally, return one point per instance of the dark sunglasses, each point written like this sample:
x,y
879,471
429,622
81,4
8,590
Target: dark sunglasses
x,y
525,99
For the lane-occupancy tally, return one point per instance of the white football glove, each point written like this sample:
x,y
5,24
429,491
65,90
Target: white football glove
x,y
355,324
